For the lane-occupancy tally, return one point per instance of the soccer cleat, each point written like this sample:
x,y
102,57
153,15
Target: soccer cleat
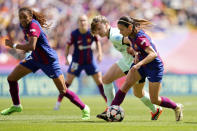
x,y
11,110
103,115
179,112
86,113
156,115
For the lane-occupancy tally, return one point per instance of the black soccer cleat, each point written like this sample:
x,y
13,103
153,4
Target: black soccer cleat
x,y
156,115
103,116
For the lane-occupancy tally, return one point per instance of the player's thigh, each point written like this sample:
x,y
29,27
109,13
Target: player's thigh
x,y
97,78
112,74
60,83
18,72
154,89
132,77
69,78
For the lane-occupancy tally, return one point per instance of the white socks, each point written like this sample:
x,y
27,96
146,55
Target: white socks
x,y
146,100
109,92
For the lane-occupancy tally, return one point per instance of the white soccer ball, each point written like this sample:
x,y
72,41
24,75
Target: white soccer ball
x,y
115,113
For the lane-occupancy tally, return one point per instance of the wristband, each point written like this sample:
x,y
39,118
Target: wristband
x,y
14,45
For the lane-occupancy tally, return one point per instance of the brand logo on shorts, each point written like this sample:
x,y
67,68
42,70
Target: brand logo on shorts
x,y
52,75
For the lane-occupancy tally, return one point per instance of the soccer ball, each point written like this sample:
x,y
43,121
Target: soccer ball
x,y
115,113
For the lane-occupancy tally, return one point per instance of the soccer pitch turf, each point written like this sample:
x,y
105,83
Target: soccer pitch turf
x,y
38,115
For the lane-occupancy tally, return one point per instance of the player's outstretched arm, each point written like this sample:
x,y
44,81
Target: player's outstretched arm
x,y
30,46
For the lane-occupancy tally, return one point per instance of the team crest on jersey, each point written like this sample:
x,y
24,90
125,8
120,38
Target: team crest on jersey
x,y
135,46
88,40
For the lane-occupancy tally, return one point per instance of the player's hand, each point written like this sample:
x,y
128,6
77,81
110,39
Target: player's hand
x,y
9,43
67,62
136,67
131,51
136,59
99,58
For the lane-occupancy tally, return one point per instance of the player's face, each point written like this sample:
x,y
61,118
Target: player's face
x,y
101,30
24,18
83,22
125,31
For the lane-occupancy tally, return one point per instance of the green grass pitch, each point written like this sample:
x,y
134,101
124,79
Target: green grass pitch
x,y
38,115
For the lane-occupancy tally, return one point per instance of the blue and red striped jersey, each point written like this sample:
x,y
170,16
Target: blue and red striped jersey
x,y
83,53
140,42
43,53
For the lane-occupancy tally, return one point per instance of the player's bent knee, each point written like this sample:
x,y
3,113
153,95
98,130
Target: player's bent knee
x,y
137,95
62,92
105,80
10,78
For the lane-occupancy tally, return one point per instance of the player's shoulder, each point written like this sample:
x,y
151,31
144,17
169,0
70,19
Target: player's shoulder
x,y
34,23
75,31
142,38
114,30
89,32
141,34
115,34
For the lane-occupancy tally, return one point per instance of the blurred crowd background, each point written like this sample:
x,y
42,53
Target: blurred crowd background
x,y
63,14
174,33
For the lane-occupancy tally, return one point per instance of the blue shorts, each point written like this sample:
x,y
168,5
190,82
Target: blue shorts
x,y
52,70
154,74
76,69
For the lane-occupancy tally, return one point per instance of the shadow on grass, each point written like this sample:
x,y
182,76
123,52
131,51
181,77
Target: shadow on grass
x,y
190,122
80,121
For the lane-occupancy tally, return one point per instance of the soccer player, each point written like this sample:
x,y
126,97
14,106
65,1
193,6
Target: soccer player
x,y
150,65
100,26
82,57
42,57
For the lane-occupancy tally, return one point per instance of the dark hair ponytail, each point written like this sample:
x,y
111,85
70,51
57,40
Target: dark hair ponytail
x,y
37,16
136,23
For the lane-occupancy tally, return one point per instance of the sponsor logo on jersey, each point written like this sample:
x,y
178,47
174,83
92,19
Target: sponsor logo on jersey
x,y
84,47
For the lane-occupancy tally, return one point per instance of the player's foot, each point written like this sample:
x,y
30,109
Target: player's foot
x,y
103,115
11,110
156,115
57,106
179,112
86,113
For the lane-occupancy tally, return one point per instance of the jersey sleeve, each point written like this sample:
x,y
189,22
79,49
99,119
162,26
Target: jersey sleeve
x,y
143,42
34,30
71,39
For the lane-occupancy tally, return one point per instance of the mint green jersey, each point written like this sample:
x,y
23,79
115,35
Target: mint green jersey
x,y
117,40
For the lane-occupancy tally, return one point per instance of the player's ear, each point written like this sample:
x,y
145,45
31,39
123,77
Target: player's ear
x,y
130,27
